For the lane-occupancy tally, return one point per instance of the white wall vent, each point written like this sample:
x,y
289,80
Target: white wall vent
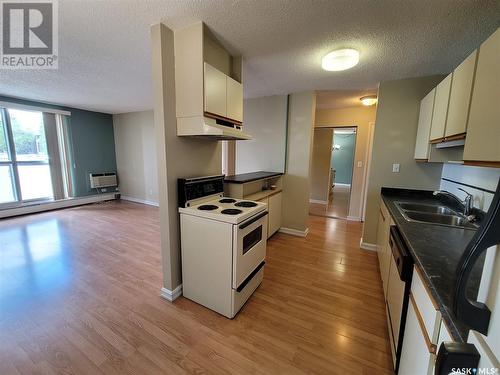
x,y
101,180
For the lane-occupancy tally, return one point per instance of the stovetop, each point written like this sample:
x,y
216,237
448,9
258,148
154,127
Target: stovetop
x,y
225,209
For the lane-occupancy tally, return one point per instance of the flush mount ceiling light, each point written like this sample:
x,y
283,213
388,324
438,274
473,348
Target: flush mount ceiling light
x,y
368,99
340,59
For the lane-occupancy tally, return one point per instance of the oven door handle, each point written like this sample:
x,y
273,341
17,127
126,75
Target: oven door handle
x,y
253,220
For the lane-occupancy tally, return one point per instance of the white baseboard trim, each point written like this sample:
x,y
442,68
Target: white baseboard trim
x,y
367,246
137,200
171,295
55,205
294,232
317,201
353,218
342,185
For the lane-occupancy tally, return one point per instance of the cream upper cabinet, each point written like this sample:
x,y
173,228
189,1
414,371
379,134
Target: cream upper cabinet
x,y
483,130
214,91
424,126
440,108
461,89
234,100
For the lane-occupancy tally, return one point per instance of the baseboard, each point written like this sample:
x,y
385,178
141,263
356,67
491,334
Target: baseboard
x,y
317,201
171,295
56,205
137,200
353,218
294,232
342,185
367,246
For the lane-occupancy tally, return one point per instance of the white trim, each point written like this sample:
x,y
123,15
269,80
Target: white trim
x,y
171,295
294,232
367,246
54,205
317,201
341,185
353,218
137,200
27,107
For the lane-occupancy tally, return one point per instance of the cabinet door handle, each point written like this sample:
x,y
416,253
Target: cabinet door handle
x,y
381,213
432,348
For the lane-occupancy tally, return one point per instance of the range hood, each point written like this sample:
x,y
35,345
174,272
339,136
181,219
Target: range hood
x,y
206,127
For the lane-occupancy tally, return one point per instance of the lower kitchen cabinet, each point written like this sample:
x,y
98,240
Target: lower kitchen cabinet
x,y
383,248
416,358
422,332
274,207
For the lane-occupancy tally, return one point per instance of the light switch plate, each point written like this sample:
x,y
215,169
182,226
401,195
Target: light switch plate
x,y
395,167
360,164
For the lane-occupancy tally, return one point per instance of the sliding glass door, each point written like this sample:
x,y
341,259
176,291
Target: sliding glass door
x,y
25,173
7,184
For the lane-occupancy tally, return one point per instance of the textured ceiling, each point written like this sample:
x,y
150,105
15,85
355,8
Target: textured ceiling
x,y
105,52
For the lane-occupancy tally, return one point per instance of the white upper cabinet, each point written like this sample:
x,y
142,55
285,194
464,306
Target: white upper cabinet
x,y
215,91
424,126
483,130
223,95
440,108
461,89
234,99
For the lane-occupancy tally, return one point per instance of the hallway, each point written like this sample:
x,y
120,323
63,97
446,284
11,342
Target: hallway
x,y
338,204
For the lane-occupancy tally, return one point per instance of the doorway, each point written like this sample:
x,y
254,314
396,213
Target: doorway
x,y
332,171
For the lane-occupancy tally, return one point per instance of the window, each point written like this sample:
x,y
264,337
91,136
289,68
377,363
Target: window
x,y
26,171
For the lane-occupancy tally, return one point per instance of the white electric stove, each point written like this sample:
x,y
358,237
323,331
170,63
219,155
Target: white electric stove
x,y
223,244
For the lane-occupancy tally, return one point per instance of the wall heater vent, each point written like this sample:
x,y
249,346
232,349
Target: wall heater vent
x,y
101,180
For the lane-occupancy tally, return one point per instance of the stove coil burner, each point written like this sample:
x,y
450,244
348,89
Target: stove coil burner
x,y
227,200
208,207
246,204
231,211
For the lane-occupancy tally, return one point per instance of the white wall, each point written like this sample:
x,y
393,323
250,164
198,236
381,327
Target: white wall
x,y
265,119
394,142
136,156
486,178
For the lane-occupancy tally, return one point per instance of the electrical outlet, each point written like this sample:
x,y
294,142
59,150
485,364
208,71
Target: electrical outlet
x,y
395,167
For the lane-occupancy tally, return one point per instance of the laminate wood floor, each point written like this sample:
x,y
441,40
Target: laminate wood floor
x,y
79,294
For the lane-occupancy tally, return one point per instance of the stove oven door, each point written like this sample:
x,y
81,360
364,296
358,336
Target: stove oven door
x,y
249,247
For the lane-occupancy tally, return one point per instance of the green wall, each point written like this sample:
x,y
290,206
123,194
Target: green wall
x,y
342,160
91,140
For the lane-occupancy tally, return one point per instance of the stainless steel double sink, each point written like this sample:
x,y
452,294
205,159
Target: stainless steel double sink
x,y
433,214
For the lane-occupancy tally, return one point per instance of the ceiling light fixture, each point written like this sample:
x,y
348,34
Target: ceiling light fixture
x,y
369,99
340,59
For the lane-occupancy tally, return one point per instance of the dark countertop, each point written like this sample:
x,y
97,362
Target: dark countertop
x,y
249,177
436,250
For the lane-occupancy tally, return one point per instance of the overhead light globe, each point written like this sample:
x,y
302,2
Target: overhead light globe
x,y
368,100
340,59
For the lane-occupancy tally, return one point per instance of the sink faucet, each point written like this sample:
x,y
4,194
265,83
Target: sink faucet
x,y
467,203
